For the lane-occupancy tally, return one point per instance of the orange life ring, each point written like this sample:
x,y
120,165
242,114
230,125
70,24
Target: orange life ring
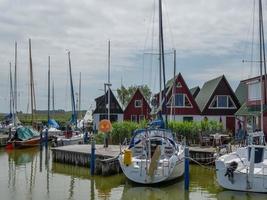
x,y
105,126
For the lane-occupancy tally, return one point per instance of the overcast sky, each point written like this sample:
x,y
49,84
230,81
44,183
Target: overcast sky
x,y
211,37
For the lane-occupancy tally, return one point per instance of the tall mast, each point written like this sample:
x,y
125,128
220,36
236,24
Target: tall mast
x,y
80,90
162,60
173,86
48,90
109,80
53,97
72,93
15,87
11,101
31,82
160,66
262,60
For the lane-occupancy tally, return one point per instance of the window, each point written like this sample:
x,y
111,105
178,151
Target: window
x,y
187,119
181,100
141,117
133,118
254,91
178,85
138,103
222,101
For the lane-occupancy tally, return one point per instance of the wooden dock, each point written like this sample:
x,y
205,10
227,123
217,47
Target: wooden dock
x,y
203,155
3,140
106,158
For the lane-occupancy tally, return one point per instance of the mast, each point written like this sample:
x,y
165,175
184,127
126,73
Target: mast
x,y
161,39
262,60
53,97
11,101
173,86
31,83
48,90
109,80
80,90
72,93
15,88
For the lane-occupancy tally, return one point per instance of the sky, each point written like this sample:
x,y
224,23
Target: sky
x,y
211,38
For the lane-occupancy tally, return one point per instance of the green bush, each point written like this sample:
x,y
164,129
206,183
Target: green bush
x,y
192,130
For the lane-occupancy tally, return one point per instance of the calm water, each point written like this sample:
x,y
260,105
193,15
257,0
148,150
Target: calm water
x,y
31,174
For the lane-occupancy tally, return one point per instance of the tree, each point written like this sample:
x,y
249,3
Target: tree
x,y
125,94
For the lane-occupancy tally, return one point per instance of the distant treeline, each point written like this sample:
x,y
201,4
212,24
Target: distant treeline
x,y
61,116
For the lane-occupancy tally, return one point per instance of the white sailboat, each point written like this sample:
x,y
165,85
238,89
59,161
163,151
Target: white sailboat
x,y
245,169
154,155
70,136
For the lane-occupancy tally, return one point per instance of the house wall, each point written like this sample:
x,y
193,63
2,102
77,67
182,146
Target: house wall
x,y
96,119
222,89
138,111
194,110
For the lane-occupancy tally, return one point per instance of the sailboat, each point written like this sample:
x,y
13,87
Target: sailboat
x,y
26,137
153,155
72,135
245,169
53,126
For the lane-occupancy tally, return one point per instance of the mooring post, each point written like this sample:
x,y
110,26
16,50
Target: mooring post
x,y
46,137
92,162
41,137
186,169
85,137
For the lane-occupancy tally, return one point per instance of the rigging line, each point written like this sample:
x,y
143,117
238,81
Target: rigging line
x,y
169,24
253,33
146,40
152,44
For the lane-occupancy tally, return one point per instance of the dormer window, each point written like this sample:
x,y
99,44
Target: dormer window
x,y
178,85
254,91
138,103
222,102
181,100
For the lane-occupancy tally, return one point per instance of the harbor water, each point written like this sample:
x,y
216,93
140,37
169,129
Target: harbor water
x,y
30,174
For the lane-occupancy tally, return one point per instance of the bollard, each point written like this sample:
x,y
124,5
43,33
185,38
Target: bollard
x,y
92,162
46,137
85,137
186,169
41,137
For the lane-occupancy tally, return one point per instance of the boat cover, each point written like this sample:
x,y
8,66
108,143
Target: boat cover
x,y
24,133
52,123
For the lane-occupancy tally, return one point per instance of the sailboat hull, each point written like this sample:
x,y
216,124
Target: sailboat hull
x,y
27,143
166,170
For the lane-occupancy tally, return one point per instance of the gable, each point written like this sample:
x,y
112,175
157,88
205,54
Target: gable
x,y
183,97
137,97
102,101
222,99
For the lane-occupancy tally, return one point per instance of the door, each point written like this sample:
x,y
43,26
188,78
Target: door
x,y
230,124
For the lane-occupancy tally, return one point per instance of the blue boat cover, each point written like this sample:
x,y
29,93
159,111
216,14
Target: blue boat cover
x,y
52,123
24,133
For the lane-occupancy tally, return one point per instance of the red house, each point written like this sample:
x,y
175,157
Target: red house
x,y
249,113
181,105
138,108
217,101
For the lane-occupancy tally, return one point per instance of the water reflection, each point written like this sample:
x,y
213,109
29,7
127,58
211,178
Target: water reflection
x,y
31,174
234,195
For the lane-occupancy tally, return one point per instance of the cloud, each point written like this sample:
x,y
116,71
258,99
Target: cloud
x,y
199,30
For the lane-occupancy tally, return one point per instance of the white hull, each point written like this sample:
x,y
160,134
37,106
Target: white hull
x,y
62,141
242,179
167,170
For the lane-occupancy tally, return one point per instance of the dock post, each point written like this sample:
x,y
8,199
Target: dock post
x,y
85,137
92,162
46,137
41,138
186,169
